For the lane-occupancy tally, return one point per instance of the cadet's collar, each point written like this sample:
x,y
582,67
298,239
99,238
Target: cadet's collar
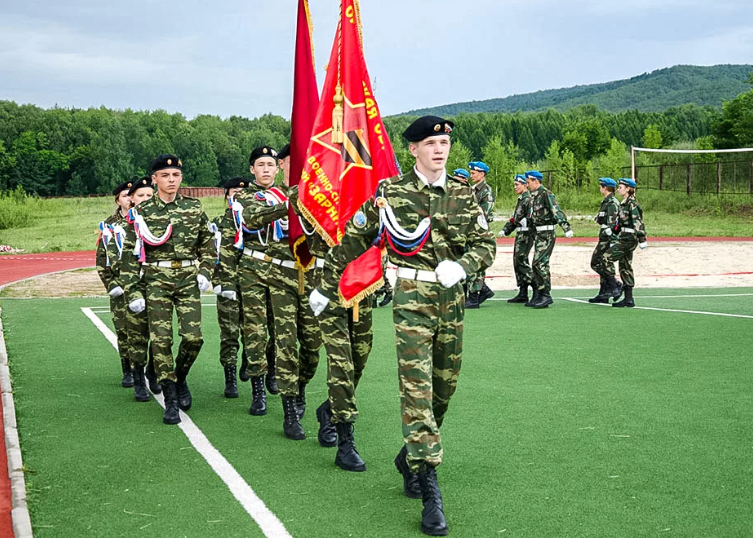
x,y
165,203
477,186
438,183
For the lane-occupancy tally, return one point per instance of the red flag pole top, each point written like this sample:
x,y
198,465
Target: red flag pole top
x,y
349,151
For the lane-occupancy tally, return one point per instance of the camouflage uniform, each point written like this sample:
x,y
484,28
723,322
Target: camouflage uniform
x,y
632,231
524,239
428,317
544,215
607,220
485,200
174,286
229,312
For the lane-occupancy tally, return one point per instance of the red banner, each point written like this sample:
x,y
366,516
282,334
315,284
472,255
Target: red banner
x,y
349,151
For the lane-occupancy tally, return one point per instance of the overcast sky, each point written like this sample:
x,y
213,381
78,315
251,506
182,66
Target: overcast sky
x,y
236,57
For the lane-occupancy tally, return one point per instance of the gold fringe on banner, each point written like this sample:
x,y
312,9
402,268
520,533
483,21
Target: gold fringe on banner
x,y
298,241
317,227
360,295
311,32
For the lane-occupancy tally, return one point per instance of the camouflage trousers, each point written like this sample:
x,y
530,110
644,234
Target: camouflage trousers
x,y
622,252
167,288
523,244
476,283
118,310
137,327
429,333
348,344
257,326
294,322
543,247
229,315
598,259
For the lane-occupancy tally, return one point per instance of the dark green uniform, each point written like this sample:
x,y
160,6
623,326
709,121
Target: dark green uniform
x,y
428,318
485,200
607,221
525,237
545,214
632,231
229,312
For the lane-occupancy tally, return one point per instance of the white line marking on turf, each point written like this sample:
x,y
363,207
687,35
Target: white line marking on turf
x,y
263,516
572,299
685,296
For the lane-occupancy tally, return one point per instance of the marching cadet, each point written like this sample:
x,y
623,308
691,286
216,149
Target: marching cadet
x,y
437,236
109,274
525,236
478,291
632,234
544,215
229,301
607,220
173,237
462,175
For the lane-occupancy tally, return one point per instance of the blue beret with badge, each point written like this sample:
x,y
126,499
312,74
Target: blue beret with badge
x,y
166,161
607,182
427,126
627,181
462,172
520,178
534,174
479,166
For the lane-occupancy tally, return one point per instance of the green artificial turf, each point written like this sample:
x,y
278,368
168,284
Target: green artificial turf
x,y
577,420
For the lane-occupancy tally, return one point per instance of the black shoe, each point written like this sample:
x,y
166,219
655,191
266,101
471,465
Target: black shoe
x,y
127,381
139,384
544,301
473,300
486,293
411,487
522,296
271,380
291,426
327,434
231,382
616,288
242,373
601,295
433,522
387,299
300,400
151,377
172,415
348,458
534,297
259,403
628,301
184,395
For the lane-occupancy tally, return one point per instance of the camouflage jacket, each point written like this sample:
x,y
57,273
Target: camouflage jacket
x,y
226,268
485,199
258,216
191,238
607,217
109,275
281,249
545,211
631,216
458,230
522,209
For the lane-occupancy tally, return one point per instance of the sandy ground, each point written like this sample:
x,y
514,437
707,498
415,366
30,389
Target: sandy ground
x,y
661,265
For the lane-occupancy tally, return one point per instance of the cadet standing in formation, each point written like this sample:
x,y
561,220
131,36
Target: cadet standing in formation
x,y
432,210
462,175
607,220
478,291
525,236
544,215
173,235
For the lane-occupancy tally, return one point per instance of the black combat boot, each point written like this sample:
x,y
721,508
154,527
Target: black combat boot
x,y
348,458
184,395
486,293
259,403
151,377
614,288
127,381
327,434
291,426
544,300
432,518
172,415
270,379
627,302
387,299
522,296
473,300
231,382
139,384
534,297
411,487
300,400
242,374
600,295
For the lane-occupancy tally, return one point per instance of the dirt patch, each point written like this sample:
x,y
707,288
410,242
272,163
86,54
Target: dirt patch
x,y
77,283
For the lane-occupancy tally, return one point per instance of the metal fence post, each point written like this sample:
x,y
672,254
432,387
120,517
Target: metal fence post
x,y
689,186
661,176
718,177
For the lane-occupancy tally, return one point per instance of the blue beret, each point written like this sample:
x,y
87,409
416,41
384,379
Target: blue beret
x,y
607,182
627,181
461,172
534,174
427,126
520,178
479,166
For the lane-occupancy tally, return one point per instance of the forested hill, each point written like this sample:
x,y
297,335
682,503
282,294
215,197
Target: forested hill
x,y
650,92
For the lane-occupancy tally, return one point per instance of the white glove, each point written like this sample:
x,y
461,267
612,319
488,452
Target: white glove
x,y
137,306
204,284
643,245
608,232
217,290
502,233
117,291
230,294
569,234
524,222
317,302
449,273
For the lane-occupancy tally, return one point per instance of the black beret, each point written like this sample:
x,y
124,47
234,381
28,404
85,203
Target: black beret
x,y
236,183
122,187
263,151
166,161
427,126
284,152
140,183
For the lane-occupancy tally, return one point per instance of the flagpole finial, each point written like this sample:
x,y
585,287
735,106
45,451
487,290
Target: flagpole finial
x,y
338,116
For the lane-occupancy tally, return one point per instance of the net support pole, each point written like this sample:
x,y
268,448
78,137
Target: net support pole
x,y
632,162
718,177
